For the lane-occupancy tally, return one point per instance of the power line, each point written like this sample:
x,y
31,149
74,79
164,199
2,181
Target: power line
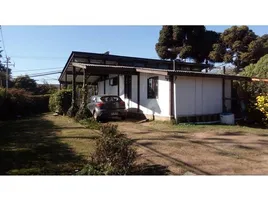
x,y
2,36
39,58
40,69
43,74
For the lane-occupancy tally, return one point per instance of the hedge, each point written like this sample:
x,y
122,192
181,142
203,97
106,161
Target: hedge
x,y
18,102
60,101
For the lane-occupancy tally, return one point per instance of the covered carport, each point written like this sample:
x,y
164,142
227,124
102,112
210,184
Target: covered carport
x,y
89,74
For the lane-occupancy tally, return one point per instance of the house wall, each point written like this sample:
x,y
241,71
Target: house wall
x,y
192,95
198,96
228,94
101,87
157,107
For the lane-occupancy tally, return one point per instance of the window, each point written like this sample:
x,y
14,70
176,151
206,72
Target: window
x,y
113,81
128,86
111,99
152,88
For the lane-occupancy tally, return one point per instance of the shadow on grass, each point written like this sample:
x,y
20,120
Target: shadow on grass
x,y
31,147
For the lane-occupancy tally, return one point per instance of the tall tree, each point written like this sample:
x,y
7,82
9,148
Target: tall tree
x,y
260,70
25,82
186,42
240,46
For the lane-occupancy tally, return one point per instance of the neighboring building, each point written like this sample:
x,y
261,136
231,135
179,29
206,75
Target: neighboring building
x,y
157,89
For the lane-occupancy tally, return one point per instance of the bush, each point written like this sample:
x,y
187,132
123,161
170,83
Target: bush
x,y
113,156
40,103
262,106
72,111
19,102
60,101
90,123
82,113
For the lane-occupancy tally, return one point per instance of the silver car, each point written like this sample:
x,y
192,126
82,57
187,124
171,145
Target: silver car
x,y
107,107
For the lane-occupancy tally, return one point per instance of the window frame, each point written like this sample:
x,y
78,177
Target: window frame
x,y
113,81
155,89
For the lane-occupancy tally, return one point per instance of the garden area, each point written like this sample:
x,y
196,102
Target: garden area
x,y
43,132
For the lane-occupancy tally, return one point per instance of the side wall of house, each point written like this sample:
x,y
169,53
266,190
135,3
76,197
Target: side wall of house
x,y
156,107
228,94
199,95
159,106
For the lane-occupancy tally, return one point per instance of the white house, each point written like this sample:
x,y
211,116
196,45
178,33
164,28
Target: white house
x,y
156,89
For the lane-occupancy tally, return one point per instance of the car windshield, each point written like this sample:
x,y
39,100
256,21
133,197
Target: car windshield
x,y
110,99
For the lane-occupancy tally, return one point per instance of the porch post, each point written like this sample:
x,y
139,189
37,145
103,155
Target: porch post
x,y
171,96
232,96
84,77
223,95
104,86
138,91
118,85
74,88
65,81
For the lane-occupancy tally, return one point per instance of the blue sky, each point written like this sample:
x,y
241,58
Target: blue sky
x,y
48,47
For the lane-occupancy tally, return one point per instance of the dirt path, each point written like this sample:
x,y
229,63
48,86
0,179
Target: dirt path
x,y
209,152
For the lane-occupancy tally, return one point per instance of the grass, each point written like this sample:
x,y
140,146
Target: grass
x,y
44,145
90,123
192,128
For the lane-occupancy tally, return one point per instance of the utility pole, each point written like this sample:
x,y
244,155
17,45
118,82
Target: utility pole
x,y
8,63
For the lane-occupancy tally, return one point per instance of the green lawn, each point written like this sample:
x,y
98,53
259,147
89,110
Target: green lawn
x,y
44,145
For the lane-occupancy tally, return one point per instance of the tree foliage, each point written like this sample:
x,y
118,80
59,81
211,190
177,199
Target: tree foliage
x,y
186,42
259,70
25,82
46,89
240,46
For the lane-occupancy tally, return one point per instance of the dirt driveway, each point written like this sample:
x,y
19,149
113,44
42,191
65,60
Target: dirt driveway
x,y
205,150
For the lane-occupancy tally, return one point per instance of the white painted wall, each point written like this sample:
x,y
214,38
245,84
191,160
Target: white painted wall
x,y
113,90
198,96
159,107
193,95
101,87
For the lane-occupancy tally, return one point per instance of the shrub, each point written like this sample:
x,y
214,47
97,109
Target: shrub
x,y
20,102
262,106
40,103
72,110
114,154
82,113
60,101
90,123
2,96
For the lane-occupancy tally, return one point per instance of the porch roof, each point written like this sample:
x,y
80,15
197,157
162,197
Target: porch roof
x,y
96,71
